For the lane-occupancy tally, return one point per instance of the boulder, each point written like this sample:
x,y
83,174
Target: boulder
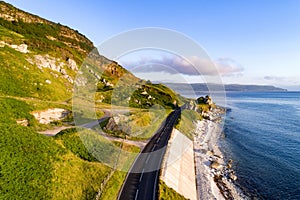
x,y
216,165
72,64
50,115
232,176
23,122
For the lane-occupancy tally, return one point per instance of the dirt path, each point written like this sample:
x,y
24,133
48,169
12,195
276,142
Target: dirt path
x,y
53,132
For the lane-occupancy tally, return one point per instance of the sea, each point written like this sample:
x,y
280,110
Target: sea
x,y
262,136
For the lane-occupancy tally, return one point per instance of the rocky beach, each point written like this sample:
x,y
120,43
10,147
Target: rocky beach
x,y
214,175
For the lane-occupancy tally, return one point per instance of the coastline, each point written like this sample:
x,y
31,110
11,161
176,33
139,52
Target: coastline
x,y
214,176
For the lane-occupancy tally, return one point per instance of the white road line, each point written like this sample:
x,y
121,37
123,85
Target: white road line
x,y
153,147
157,141
136,194
147,159
141,175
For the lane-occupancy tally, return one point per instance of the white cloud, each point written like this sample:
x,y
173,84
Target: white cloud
x,y
229,67
190,66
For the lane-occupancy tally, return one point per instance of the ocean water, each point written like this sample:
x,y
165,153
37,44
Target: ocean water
x,y
262,136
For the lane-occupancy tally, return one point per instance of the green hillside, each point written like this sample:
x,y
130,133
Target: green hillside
x,y
40,59
39,62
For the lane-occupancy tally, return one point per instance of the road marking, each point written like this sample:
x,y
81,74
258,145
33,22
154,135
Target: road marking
x,y
136,194
153,147
147,159
157,141
142,175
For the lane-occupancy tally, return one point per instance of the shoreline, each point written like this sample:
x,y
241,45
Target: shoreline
x,y
214,175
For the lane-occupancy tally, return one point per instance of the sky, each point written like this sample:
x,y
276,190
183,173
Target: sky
x,y
250,41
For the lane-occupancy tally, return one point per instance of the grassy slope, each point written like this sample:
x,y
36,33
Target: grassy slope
x,y
33,166
113,186
166,193
26,163
30,82
12,109
78,175
186,125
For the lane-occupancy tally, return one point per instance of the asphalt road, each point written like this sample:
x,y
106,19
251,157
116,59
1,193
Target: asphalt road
x,y
94,123
142,181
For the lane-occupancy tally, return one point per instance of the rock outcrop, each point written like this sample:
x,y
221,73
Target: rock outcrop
x,y
12,14
21,48
50,115
54,64
23,122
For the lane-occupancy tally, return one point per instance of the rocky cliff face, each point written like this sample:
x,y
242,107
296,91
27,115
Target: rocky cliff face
x,y
15,15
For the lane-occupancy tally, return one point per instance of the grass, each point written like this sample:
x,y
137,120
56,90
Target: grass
x,y
139,124
26,169
186,124
160,94
9,36
114,185
76,140
146,123
126,156
74,178
89,145
33,166
71,140
38,104
20,78
13,109
167,193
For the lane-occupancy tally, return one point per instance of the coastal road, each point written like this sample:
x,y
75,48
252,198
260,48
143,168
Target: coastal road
x,y
142,180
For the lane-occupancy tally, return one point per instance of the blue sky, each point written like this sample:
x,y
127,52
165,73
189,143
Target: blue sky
x,y
260,36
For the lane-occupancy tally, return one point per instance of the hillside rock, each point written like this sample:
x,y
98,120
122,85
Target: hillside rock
x,y
72,64
205,100
50,115
54,64
112,125
12,14
23,122
21,48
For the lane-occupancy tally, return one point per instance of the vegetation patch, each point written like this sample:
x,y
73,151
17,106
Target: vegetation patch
x,y
167,193
113,186
115,183
13,109
26,163
186,123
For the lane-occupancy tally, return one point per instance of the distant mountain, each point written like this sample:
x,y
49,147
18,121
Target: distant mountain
x,y
228,87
